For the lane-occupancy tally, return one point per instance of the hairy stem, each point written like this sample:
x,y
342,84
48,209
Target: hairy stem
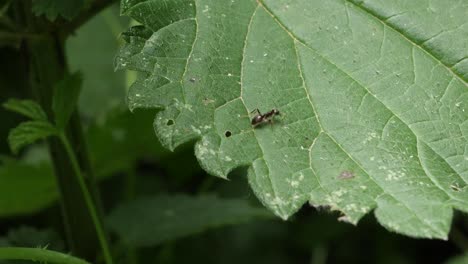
x,y
39,255
89,201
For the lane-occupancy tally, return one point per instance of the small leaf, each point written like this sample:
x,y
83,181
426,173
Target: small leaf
x,y
152,221
66,95
27,108
53,8
29,132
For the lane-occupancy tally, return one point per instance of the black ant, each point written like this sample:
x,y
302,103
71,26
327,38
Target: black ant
x,y
260,118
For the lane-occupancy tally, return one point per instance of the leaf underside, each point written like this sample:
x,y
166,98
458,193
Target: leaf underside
x,y
372,96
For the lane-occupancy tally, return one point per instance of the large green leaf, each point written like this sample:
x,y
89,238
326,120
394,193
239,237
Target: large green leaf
x,y
372,95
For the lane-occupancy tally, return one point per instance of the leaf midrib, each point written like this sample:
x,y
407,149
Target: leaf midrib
x,y
273,186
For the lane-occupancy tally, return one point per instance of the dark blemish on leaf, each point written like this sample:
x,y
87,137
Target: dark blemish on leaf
x,y
170,122
345,175
207,101
455,187
228,133
192,80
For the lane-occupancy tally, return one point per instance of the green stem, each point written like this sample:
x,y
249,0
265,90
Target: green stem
x,y
39,255
89,201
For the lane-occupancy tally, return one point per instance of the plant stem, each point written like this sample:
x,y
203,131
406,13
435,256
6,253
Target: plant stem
x,y
89,201
39,255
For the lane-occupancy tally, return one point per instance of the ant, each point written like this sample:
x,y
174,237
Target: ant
x,y
260,118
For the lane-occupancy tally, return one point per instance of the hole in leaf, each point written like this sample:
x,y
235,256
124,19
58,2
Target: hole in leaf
x,y
228,133
170,122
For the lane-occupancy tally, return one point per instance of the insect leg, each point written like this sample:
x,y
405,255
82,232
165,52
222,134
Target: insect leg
x,y
256,110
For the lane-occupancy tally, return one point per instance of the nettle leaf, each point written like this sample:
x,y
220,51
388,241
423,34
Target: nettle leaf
x,y
176,216
373,100
29,132
27,108
54,8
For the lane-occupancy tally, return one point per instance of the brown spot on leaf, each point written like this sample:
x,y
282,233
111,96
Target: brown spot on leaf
x,y
345,175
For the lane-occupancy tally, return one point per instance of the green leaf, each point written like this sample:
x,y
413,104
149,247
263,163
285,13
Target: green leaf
x,y
28,132
66,94
373,100
26,188
53,8
176,216
27,108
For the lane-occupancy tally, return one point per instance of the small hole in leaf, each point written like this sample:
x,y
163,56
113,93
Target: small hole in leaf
x,y
170,122
228,133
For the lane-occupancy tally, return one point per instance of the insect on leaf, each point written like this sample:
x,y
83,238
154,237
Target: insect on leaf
x,y
372,94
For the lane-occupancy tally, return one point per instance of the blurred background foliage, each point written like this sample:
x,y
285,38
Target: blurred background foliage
x,y
160,206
